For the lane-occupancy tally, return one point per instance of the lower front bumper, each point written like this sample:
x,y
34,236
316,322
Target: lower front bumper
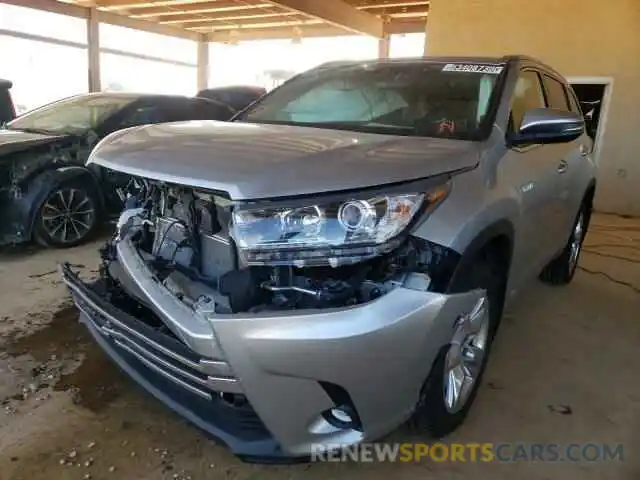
x,y
238,428
288,364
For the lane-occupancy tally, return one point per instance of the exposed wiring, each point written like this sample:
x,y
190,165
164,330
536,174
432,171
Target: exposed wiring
x,y
166,232
619,228
611,245
179,247
610,231
610,255
610,278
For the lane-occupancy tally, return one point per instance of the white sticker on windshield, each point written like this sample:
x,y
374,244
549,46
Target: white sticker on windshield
x,y
471,68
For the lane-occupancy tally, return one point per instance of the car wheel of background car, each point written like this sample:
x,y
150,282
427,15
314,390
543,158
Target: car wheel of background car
x,y
562,269
67,217
452,385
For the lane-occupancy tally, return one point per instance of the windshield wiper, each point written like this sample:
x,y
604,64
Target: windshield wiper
x,y
361,127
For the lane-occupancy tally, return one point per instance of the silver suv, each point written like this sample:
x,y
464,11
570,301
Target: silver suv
x,y
335,262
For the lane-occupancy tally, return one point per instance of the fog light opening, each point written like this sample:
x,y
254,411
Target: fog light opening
x,y
233,399
342,417
343,414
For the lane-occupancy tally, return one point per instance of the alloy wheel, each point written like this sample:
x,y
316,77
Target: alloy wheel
x,y
465,357
576,243
68,215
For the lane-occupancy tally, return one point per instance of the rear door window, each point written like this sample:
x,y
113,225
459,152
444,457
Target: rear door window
x,y
573,101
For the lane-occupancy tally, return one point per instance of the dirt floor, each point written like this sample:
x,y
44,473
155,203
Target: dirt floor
x,y
565,368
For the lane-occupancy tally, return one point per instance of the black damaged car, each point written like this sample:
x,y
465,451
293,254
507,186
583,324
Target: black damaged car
x,y
46,192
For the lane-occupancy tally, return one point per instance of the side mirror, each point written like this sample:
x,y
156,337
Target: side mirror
x,y
548,125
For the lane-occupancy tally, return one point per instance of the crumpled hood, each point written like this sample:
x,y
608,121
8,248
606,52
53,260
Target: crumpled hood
x,y
252,161
12,141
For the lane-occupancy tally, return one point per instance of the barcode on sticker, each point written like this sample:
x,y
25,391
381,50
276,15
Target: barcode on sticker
x,y
472,68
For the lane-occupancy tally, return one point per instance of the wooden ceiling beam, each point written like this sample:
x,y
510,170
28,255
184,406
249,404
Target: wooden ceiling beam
x,y
133,4
204,8
235,17
222,7
312,31
337,13
395,9
391,4
258,25
104,17
223,17
304,31
52,6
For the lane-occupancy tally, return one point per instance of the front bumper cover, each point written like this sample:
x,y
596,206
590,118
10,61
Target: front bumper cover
x,y
380,353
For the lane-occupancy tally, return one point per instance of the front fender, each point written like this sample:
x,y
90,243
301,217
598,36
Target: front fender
x,y
469,210
471,216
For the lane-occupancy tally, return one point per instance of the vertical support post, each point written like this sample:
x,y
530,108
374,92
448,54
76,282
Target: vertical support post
x,y
203,62
93,50
383,47
426,41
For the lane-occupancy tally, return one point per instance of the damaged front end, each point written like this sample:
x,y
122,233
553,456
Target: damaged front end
x,y
274,256
275,348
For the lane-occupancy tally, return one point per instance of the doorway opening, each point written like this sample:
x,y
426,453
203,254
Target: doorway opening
x,y
594,94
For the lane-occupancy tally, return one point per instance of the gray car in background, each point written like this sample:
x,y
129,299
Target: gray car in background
x,y
335,261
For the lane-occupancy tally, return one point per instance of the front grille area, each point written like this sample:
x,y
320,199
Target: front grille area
x,y
200,385
163,354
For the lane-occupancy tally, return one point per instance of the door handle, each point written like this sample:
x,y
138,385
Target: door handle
x,y
584,150
562,166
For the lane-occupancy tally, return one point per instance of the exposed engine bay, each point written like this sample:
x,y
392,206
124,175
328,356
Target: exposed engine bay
x,y
185,237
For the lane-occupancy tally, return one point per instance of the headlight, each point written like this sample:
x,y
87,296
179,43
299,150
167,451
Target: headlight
x,y
333,232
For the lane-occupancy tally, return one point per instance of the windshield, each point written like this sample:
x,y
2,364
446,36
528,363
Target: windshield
x,y
418,99
69,116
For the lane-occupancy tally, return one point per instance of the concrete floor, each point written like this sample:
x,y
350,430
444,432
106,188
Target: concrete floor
x,y
564,369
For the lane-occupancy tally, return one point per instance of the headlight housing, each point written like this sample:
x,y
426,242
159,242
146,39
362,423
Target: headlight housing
x,y
328,232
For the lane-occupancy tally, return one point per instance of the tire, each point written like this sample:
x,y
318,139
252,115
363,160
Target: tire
x,y
561,270
69,216
433,416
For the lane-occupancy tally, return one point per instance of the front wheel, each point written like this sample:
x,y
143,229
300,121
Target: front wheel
x,y
457,372
68,216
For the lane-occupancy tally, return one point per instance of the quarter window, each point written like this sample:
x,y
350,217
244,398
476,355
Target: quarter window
x,y
556,95
527,96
